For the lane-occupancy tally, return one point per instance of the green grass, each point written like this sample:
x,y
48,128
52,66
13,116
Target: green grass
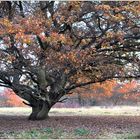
x,y
132,136
48,130
81,131
49,133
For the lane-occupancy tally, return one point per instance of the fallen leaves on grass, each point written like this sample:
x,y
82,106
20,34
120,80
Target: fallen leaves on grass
x,y
68,126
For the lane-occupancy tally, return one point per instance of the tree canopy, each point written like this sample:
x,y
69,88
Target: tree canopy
x,y
49,48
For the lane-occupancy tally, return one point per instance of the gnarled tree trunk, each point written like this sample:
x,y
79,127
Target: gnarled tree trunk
x,y
40,110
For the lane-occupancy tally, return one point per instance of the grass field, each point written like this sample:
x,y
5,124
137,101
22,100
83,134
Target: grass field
x,y
91,111
94,122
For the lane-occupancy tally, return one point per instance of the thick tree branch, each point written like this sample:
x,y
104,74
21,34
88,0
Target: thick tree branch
x,y
100,80
21,9
126,48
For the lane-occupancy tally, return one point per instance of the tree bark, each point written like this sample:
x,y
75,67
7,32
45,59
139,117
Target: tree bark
x,y
35,111
40,111
43,113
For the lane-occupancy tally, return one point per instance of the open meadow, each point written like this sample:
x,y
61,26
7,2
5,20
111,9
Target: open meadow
x,y
92,122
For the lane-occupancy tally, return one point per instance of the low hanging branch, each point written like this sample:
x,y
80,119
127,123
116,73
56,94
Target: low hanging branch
x,y
63,100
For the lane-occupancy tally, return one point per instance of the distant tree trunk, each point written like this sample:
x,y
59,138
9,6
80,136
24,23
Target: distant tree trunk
x,y
81,101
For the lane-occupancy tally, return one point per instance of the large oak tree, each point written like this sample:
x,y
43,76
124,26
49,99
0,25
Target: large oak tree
x,y
48,49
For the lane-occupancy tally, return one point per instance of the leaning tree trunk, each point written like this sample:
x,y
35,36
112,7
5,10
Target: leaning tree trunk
x,y
40,110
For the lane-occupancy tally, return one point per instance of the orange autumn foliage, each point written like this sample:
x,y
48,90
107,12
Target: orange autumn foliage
x,y
128,87
13,99
130,91
98,91
109,89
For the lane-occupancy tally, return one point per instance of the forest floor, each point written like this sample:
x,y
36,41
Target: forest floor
x,y
64,123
